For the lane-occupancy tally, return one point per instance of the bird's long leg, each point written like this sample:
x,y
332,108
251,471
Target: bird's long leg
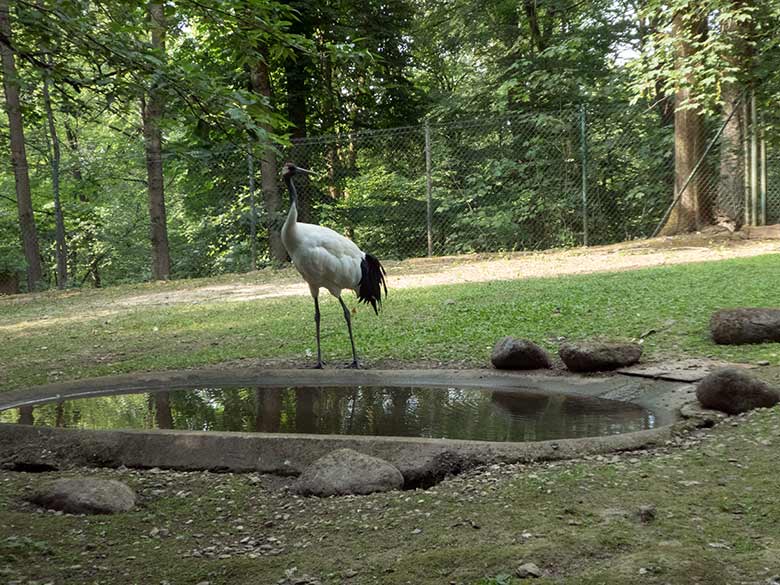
x,y
348,318
317,322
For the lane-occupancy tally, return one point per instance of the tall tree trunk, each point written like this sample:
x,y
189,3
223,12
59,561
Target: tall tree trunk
x,y
261,84
268,410
27,227
729,207
298,88
163,416
691,210
152,109
61,246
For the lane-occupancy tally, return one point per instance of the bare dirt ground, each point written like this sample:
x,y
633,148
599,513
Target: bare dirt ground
x,y
412,273
426,272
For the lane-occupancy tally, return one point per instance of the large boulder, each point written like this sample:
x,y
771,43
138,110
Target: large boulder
x,y
510,353
732,391
738,326
596,356
344,471
85,496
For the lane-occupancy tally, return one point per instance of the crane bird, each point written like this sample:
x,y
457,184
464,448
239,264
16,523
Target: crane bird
x,y
326,259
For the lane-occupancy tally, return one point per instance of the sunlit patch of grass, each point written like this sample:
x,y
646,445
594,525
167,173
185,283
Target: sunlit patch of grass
x,y
670,306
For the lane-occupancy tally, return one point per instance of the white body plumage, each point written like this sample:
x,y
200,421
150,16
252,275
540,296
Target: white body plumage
x,y
325,258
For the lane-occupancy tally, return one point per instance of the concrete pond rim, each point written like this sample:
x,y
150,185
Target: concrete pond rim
x,y
422,461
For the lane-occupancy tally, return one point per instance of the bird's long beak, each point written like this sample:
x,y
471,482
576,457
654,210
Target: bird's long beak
x,y
307,171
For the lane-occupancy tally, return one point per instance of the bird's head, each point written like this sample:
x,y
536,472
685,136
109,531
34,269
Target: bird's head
x,y
290,170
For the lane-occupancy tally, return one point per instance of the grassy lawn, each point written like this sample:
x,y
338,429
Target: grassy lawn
x,y
60,336
714,490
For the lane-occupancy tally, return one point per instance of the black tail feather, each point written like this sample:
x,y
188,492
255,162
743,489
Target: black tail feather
x,y
372,281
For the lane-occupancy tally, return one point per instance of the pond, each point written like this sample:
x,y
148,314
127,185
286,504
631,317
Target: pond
x,y
433,412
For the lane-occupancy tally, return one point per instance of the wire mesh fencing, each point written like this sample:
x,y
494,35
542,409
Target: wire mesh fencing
x,y
530,180
522,181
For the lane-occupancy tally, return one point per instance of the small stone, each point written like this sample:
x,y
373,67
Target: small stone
x,y
346,472
528,570
746,325
85,496
734,391
519,354
596,356
646,514
762,363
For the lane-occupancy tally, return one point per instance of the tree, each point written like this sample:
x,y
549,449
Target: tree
x,y
152,111
736,27
261,84
690,212
61,247
27,225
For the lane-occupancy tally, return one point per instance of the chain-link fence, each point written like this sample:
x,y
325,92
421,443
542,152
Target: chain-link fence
x,y
520,181
540,180
516,182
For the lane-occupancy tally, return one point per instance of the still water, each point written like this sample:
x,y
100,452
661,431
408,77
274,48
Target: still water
x,y
453,413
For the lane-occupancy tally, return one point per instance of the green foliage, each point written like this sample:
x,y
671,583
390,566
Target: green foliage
x,y
337,68
11,257
737,47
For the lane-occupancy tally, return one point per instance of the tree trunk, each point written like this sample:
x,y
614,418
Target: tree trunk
x,y
731,192
163,416
152,109
268,410
690,213
61,246
261,84
298,88
18,153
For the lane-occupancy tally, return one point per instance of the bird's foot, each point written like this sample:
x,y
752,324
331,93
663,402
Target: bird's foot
x,y
320,365
355,365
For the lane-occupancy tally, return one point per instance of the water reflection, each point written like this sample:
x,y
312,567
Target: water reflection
x,y
361,410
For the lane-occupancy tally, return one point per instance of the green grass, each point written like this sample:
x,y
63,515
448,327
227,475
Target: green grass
x,y
716,524
715,491
72,335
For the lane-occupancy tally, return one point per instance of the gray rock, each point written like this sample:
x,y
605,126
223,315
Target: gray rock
x,y
738,326
85,496
430,471
646,514
344,472
528,570
733,391
510,353
596,356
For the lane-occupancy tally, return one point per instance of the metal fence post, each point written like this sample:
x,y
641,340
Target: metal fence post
x,y
428,188
763,186
250,163
584,151
754,203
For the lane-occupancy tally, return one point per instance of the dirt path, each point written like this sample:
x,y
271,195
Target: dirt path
x,y
414,273
425,272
